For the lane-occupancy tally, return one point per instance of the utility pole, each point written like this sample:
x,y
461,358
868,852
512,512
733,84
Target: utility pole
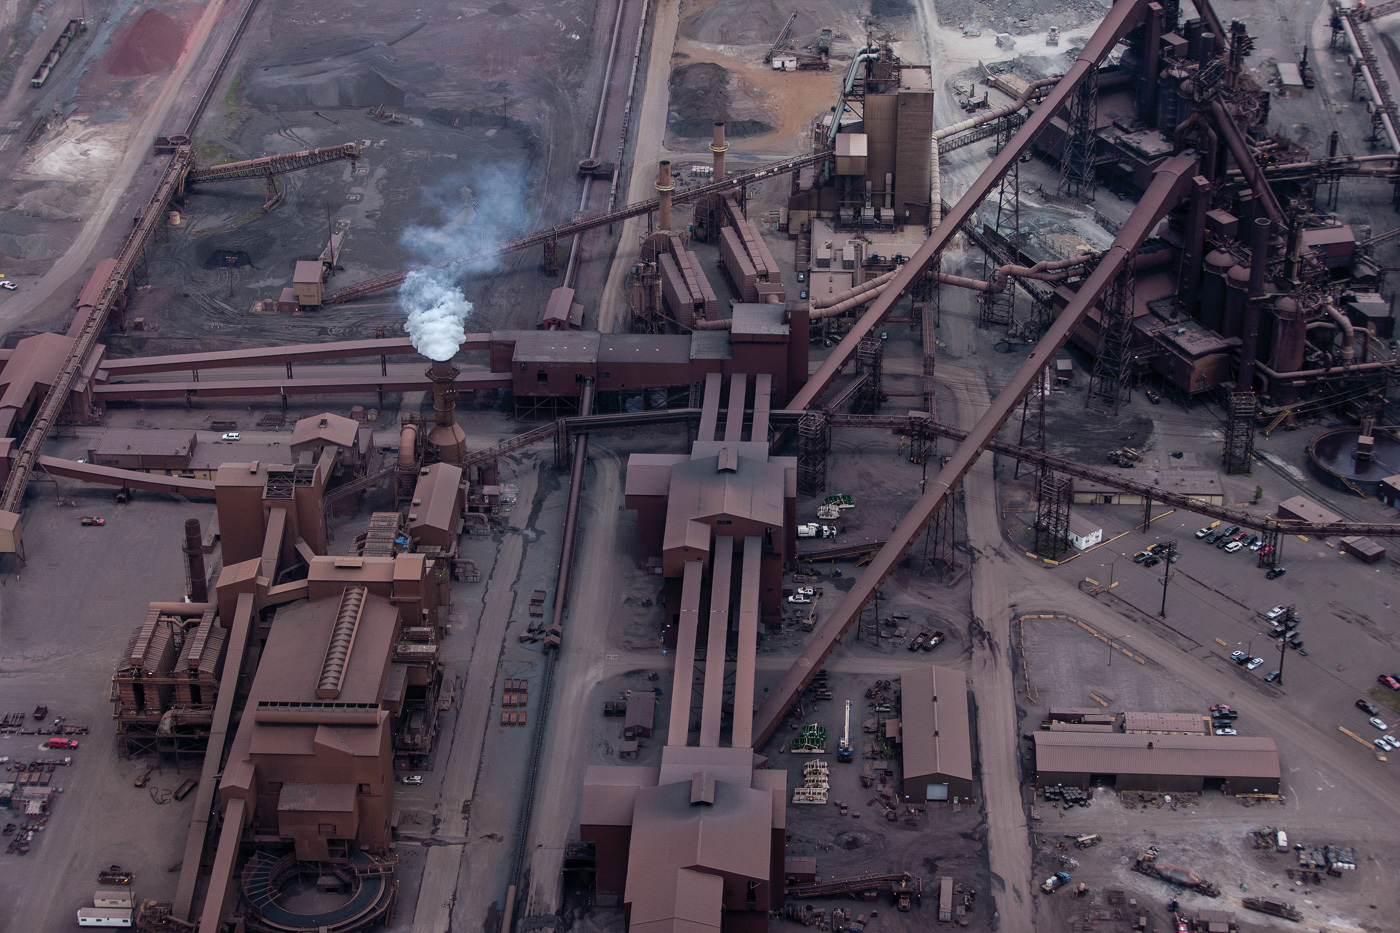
x,y
1168,552
1283,642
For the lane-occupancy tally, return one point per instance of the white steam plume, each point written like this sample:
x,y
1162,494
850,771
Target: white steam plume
x,y
474,211
437,313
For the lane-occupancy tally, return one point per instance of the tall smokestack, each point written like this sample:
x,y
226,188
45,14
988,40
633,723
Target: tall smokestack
x,y
664,187
194,559
1258,276
719,147
445,435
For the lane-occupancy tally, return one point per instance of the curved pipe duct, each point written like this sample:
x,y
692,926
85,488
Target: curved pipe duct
x,y
408,446
1239,149
1348,331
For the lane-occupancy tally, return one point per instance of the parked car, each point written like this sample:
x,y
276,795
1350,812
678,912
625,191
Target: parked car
x,y
1141,556
1229,532
92,520
1378,723
798,599
62,743
1212,537
1226,715
1276,612
1392,742
232,436
1253,540
1152,561
1367,707
1381,744
1272,676
1226,730
1203,532
1225,541
1232,547
1295,643
1274,573
8,286
1239,657
413,780
1255,663
1221,708
1387,680
1256,545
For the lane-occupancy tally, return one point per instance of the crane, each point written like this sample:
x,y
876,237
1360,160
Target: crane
x,y
844,752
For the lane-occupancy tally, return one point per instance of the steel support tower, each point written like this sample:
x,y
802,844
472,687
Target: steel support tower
x,y
1109,380
1055,492
1238,452
1033,421
870,364
939,538
1077,164
813,444
1000,307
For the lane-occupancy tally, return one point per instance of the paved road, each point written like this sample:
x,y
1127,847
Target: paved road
x,y
438,894
1008,839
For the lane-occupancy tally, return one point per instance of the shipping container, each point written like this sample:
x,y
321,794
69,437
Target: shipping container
x,y
104,917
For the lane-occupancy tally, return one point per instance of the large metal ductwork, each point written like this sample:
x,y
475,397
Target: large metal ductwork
x,y
1258,279
194,560
446,435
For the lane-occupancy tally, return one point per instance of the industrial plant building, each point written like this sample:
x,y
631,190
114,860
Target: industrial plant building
x,y
1174,763
935,735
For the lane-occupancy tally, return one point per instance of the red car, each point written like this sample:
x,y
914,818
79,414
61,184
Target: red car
x,y
62,743
1389,681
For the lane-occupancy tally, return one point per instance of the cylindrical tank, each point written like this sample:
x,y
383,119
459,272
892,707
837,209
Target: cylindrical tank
x,y
357,412
173,219
1212,312
719,147
1236,291
1287,346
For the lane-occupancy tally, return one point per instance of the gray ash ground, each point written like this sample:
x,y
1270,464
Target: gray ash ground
x,y
700,96
1017,15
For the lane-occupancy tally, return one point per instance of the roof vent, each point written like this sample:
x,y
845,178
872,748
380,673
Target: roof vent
x,y
728,460
1151,745
324,422
702,788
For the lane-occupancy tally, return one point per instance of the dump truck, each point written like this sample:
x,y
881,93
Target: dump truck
x,y
1056,881
1147,864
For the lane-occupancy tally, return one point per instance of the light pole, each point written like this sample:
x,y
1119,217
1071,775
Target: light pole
x,y
1167,554
1283,641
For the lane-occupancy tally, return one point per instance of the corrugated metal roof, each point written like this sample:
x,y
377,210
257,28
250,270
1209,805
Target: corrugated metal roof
x,y
136,442
750,318
650,474
331,428
934,723
1193,723
436,498
1305,510
1119,753
317,798
609,792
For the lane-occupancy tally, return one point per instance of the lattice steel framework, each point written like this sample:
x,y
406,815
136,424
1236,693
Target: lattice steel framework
x,y
1033,420
813,445
1272,537
1109,380
1238,452
1077,164
1000,307
870,364
939,540
1055,492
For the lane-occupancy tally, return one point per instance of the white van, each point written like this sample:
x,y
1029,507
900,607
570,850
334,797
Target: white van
x,y
1281,842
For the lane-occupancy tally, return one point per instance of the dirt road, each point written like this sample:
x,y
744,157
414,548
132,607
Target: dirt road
x,y
1008,840
592,604
438,894
78,256
651,130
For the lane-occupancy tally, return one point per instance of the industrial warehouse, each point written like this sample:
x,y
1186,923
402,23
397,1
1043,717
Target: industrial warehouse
x,y
699,465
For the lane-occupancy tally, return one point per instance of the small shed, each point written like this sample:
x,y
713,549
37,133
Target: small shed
x,y
308,283
1299,509
1363,549
1290,79
641,716
1084,533
1390,491
800,870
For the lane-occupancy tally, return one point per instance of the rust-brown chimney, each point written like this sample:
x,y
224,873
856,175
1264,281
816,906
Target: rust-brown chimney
x,y
664,187
194,558
719,147
446,435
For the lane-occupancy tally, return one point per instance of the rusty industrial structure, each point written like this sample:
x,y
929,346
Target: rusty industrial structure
x,y
1228,283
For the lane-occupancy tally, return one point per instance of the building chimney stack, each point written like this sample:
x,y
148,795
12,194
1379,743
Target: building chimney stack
x,y
445,435
664,187
719,147
194,559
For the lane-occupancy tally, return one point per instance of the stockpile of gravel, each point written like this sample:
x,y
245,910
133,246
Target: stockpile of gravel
x,y
1019,15
149,45
699,97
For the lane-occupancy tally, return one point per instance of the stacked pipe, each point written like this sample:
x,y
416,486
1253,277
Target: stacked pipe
x,y
719,147
664,187
194,558
445,435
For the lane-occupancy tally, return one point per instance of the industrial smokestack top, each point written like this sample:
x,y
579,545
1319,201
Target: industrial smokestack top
x,y
719,147
449,439
664,187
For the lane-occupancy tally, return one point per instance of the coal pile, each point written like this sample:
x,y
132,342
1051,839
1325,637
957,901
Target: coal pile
x,y
699,97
